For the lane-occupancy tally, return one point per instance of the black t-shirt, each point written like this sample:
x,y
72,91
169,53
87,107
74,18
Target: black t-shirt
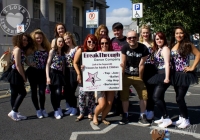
x,y
117,44
133,57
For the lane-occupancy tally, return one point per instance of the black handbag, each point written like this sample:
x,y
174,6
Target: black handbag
x,y
5,75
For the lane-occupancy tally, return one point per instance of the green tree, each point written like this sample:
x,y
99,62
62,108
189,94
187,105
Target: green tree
x,y
163,15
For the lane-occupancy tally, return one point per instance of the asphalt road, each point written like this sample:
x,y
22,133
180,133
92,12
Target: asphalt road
x,y
66,128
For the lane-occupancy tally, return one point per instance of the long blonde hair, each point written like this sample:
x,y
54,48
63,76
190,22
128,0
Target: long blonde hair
x,y
71,36
45,43
150,37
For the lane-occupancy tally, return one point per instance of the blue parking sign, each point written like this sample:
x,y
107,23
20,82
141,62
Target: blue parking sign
x,y
137,6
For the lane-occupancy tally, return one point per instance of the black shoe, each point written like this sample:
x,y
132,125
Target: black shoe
x,y
143,120
124,120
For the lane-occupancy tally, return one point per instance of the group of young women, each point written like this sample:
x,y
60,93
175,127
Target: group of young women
x,y
169,65
59,65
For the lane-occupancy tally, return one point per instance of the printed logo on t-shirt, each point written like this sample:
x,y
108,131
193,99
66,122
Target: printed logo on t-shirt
x,y
116,47
134,54
134,71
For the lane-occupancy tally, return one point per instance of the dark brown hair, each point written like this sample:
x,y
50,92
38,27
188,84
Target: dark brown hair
x,y
184,48
55,29
17,40
109,42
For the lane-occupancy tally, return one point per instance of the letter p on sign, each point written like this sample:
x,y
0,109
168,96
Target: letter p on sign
x,y
137,7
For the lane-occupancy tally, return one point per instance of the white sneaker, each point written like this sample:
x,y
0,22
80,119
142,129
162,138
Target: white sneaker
x,y
69,111
39,114
185,123
13,116
60,111
44,113
67,106
166,122
150,115
180,120
74,111
21,116
57,115
159,121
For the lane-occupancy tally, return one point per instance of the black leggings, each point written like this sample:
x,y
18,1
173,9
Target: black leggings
x,y
70,88
18,92
150,101
56,91
41,95
149,71
158,97
180,99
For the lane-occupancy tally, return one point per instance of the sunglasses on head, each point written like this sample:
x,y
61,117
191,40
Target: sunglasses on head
x,y
102,43
131,37
93,42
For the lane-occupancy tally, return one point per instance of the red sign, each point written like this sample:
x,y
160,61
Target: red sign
x,y
91,16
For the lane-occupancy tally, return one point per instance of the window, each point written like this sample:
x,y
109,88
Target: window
x,y
76,16
58,12
36,9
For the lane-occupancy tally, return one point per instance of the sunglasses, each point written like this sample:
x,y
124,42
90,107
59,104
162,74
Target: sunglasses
x,y
132,37
91,42
102,43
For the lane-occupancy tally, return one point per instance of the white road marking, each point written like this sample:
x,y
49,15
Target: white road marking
x,y
94,126
75,134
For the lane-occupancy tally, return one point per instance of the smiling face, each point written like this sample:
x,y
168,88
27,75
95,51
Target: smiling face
x,y
38,39
179,35
103,31
24,41
118,33
90,44
68,40
159,41
60,42
104,45
60,30
132,38
145,34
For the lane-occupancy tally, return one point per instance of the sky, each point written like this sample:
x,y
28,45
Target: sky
x,y
119,11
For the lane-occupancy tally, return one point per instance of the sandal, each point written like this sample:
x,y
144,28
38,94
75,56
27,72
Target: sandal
x,y
90,117
105,122
96,123
79,118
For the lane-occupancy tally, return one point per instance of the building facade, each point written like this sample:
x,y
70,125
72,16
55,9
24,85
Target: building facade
x,y
46,13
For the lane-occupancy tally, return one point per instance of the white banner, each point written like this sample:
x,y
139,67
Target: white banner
x,y
102,71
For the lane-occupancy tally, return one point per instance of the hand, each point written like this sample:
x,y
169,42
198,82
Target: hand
x,y
79,78
48,81
186,69
166,81
122,65
82,67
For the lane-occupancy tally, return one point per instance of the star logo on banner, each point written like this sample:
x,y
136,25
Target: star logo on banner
x,y
93,78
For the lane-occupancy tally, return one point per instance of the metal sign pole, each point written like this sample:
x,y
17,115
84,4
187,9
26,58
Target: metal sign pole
x,y
94,8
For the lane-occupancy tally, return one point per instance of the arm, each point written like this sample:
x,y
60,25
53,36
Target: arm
x,y
76,64
48,66
123,64
17,54
166,55
53,43
141,66
196,52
